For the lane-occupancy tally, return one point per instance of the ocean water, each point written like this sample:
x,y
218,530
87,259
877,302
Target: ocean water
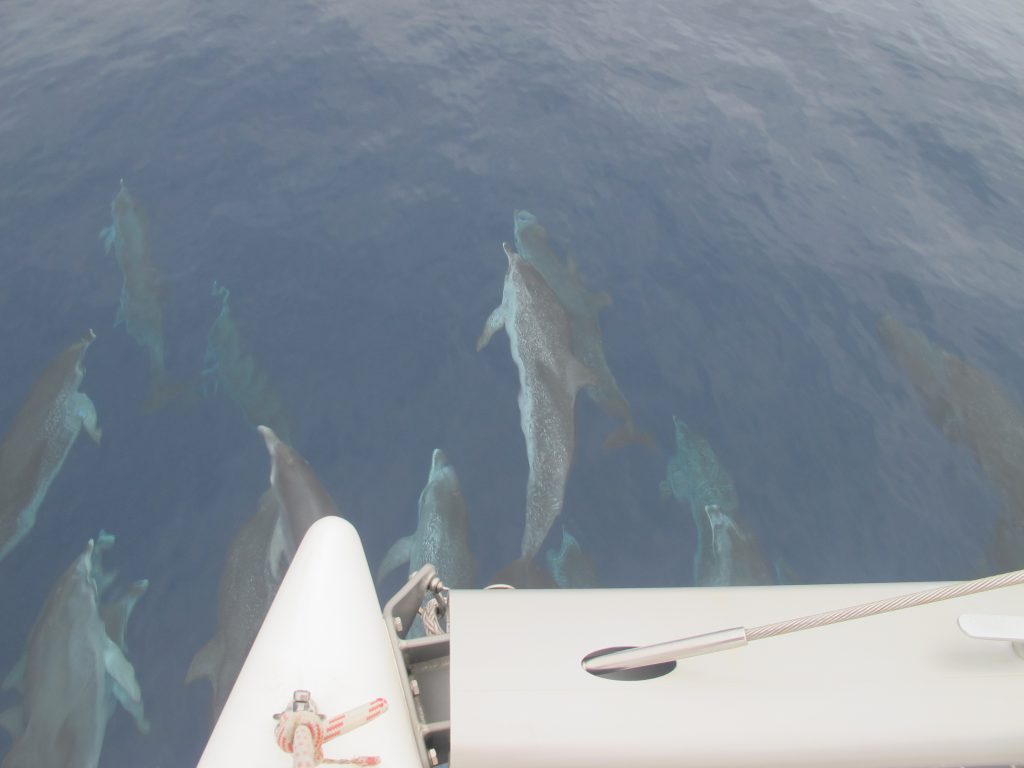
x,y
755,187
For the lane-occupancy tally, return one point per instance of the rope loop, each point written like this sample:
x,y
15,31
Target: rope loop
x,y
301,730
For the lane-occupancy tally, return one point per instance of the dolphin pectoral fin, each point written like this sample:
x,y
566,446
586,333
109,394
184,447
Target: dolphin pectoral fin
x,y
399,553
599,301
115,615
108,235
579,375
15,679
121,670
784,572
280,548
125,685
205,662
494,323
12,720
87,413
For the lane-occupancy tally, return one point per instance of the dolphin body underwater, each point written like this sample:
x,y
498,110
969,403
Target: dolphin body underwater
x,y
142,293
228,365
727,553
256,563
550,375
75,670
972,409
583,308
570,566
34,449
442,531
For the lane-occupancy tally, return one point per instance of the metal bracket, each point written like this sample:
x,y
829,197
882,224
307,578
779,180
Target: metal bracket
x,y
424,664
983,626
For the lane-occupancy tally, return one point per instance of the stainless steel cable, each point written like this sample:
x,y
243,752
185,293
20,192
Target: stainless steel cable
x,y
960,589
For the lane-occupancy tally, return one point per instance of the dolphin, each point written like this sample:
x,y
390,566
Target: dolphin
x,y
570,566
442,531
695,476
228,365
550,375
142,293
583,308
256,563
303,499
971,409
727,553
34,449
74,672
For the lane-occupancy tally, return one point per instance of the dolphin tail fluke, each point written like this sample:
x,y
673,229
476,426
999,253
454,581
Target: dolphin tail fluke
x,y
205,662
627,434
400,552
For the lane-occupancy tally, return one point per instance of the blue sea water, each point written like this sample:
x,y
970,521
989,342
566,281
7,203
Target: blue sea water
x,y
754,185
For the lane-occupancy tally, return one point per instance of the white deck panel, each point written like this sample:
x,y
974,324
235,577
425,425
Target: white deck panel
x,y
902,689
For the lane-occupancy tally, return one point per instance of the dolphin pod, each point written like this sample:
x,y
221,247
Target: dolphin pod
x,y
227,364
142,293
972,409
75,670
34,449
256,563
442,531
550,375
727,553
583,308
